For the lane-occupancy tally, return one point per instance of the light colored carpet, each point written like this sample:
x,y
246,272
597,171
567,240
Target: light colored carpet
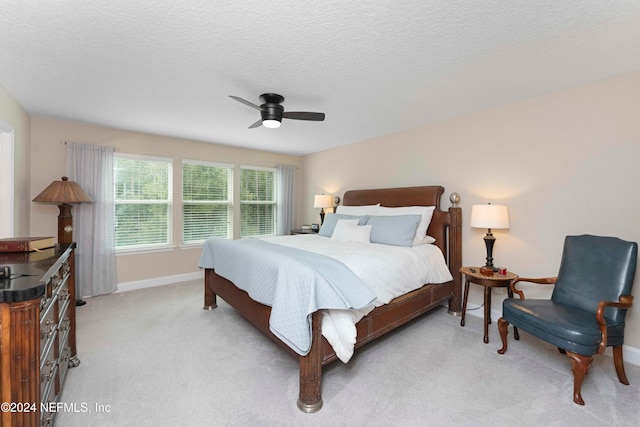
x,y
154,357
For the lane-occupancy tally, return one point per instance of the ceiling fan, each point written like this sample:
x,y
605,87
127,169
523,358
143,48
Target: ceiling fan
x,y
272,112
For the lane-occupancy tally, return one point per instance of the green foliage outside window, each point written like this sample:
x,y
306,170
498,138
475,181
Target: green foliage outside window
x,y
143,194
206,196
258,203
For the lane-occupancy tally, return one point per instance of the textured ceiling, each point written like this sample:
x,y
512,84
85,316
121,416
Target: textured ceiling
x,y
374,66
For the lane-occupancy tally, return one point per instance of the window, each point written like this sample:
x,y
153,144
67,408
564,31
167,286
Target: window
x,y
207,205
143,200
257,202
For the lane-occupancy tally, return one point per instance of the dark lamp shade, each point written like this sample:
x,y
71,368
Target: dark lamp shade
x,y
63,191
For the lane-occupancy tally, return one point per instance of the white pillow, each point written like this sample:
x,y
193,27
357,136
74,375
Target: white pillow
x,y
426,241
358,210
426,213
331,219
348,230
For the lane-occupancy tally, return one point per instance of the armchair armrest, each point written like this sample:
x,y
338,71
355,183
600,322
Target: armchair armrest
x,y
625,301
542,281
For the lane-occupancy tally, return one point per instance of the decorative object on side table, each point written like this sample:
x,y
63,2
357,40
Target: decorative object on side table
x,y
303,231
498,280
64,193
490,217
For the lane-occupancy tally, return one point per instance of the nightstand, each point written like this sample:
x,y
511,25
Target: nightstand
x,y
472,275
303,231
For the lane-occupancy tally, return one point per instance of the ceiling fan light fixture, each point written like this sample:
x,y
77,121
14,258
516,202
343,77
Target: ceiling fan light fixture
x,y
272,113
271,123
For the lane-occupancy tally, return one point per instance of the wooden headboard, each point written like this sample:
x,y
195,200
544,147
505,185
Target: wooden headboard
x,y
445,227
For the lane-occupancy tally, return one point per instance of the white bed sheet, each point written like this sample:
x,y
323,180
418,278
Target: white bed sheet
x,y
389,271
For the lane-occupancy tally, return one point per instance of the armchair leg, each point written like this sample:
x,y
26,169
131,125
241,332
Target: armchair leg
x,y
580,366
617,360
503,328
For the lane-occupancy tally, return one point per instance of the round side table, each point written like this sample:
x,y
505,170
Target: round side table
x,y
472,275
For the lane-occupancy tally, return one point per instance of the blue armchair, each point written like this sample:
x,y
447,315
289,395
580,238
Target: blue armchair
x,y
587,308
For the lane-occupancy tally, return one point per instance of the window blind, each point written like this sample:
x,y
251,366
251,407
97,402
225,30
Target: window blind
x,y
257,202
143,195
207,204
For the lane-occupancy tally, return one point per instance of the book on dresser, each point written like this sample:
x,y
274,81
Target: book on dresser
x,y
33,256
26,244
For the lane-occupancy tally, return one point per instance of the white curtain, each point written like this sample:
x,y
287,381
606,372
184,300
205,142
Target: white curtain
x,y
286,192
91,166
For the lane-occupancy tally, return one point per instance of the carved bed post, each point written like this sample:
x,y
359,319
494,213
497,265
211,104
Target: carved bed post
x,y
310,398
210,300
455,258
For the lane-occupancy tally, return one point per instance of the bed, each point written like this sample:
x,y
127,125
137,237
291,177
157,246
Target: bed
x,y
444,227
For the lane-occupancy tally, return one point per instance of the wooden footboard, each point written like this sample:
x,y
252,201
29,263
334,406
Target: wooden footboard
x,y
445,227
377,323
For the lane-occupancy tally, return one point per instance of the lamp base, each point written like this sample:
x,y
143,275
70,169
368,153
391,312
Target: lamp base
x,y
489,240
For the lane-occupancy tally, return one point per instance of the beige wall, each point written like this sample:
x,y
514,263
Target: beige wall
x,y
12,114
49,162
564,163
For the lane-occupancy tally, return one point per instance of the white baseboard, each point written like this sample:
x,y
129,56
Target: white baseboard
x,y
159,281
629,354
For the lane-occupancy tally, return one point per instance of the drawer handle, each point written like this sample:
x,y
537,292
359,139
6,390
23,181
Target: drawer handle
x,y
64,324
48,330
64,294
45,377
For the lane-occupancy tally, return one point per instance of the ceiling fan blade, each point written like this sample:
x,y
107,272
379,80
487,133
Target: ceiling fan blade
x,y
244,101
256,124
304,115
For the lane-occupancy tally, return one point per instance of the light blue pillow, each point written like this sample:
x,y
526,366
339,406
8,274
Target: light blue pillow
x,y
397,230
331,219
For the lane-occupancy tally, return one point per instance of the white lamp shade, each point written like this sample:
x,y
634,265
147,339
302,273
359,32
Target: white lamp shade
x,y
322,201
489,216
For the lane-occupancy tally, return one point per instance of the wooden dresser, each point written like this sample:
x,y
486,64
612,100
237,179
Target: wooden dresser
x,y
37,333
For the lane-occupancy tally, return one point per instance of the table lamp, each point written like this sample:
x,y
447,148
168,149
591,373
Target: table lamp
x,y
322,201
490,217
64,193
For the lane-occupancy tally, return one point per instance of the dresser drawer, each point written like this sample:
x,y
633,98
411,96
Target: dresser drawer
x,y
47,298
48,327
48,368
48,399
63,364
63,300
64,326
56,280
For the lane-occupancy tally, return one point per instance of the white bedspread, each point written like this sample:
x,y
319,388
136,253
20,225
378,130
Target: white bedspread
x,y
295,283
389,271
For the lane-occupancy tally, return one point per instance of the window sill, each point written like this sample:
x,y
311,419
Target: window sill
x,y
136,251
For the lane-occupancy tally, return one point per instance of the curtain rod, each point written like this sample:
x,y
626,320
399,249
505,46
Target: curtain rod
x,y
83,143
